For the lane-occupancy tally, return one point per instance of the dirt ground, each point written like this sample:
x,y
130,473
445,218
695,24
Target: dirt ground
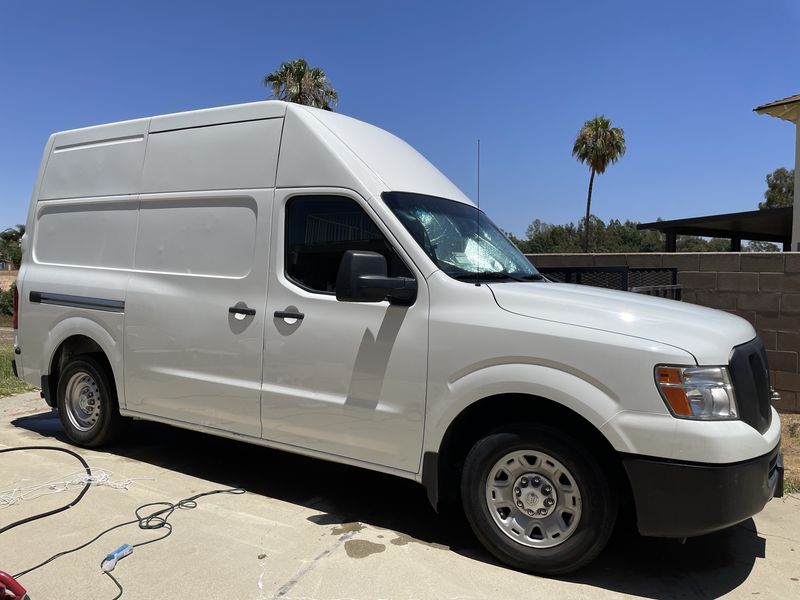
x,y
790,444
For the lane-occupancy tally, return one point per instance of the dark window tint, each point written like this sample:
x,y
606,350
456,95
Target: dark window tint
x,y
320,229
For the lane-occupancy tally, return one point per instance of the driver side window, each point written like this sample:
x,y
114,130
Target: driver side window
x,y
319,230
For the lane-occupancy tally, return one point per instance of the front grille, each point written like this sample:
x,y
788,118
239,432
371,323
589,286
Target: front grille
x,y
750,376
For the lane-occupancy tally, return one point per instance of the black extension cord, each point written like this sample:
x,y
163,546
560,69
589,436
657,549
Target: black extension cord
x,y
156,519
77,499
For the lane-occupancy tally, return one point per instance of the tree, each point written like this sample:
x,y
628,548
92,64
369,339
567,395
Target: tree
x,y
625,237
692,243
10,251
295,81
758,246
617,236
597,145
537,228
780,189
544,238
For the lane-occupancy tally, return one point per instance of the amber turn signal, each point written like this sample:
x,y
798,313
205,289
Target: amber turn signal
x,y
676,397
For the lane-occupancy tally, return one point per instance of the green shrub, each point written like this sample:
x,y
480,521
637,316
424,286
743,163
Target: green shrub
x,y
7,301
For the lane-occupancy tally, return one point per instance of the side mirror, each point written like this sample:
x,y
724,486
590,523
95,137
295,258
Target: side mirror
x,y
362,277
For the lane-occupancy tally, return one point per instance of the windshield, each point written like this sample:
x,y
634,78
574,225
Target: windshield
x,y
460,239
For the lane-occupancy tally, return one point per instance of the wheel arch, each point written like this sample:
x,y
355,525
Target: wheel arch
x,y
441,470
75,336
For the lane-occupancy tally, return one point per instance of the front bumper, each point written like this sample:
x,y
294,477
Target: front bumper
x,y
682,499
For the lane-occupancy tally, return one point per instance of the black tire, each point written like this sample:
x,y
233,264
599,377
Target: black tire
x,y
99,429
598,500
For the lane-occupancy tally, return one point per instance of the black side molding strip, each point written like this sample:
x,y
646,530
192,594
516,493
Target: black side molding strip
x,y
78,301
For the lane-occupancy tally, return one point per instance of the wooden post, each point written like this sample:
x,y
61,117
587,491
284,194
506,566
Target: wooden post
x,y
672,241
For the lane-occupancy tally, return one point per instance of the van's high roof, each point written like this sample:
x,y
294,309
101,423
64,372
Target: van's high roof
x,y
311,147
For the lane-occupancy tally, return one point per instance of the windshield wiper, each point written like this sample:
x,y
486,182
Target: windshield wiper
x,y
497,276
490,275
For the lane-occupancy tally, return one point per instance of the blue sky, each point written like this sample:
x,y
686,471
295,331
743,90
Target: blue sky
x,y
680,77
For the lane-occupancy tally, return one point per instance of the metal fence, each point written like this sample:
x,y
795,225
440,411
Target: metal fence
x,y
653,281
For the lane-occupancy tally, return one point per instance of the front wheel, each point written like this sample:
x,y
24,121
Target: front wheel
x,y
538,500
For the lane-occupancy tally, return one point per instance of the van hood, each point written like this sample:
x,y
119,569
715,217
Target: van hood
x,y
707,334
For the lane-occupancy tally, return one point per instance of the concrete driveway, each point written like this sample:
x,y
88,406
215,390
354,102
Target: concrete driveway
x,y
310,529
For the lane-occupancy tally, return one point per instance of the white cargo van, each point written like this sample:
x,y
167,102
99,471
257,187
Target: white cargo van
x,y
295,278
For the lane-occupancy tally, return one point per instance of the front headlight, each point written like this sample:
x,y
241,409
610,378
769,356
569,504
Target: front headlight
x,y
702,393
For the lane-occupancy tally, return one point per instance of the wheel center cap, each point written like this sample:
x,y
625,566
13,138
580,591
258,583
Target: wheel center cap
x,y
86,401
535,495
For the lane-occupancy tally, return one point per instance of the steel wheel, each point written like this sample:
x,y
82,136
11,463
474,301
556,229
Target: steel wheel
x,y
87,401
533,499
538,499
83,401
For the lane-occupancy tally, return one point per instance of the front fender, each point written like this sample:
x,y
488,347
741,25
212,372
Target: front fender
x,y
573,390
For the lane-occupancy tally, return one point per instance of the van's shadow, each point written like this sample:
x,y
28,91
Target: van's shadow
x,y
705,567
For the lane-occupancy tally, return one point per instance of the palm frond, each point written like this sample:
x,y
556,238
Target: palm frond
x,y
295,81
598,144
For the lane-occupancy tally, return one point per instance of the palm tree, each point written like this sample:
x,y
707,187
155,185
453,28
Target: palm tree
x,y
597,145
295,81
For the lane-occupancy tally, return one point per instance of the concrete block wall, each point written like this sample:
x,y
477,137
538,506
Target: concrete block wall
x,y
763,288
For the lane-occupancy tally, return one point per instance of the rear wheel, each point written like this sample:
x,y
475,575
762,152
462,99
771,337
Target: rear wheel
x,y
87,402
537,500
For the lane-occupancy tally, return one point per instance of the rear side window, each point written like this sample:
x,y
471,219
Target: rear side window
x,y
320,229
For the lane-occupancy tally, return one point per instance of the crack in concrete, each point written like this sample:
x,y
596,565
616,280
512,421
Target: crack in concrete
x,y
289,585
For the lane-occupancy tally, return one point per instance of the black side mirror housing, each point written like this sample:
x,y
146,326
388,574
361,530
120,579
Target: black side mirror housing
x,y
362,277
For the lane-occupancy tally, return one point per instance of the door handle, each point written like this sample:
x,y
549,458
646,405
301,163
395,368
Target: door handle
x,y
284,314
241,310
